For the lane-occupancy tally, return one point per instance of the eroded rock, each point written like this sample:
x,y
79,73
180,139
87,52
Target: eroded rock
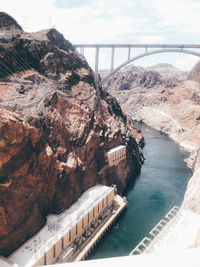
x,y
55,126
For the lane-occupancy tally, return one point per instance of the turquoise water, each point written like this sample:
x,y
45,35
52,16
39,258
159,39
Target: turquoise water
x,y
160,185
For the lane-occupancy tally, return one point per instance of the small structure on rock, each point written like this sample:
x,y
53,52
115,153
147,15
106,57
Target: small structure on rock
x,y
115,155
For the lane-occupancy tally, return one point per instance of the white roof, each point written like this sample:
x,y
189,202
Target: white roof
x,y
115,149
57,226
6,263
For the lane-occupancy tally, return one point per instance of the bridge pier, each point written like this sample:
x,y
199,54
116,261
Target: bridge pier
x,y
163,48
129,52
112,59
96,65
82,50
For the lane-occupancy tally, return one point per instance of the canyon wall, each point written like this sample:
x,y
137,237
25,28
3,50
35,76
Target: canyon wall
x,y
163,98
169,101
55,125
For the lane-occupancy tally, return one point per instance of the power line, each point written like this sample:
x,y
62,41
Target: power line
x,y
8,57
28,66
9,71
5,73
39,57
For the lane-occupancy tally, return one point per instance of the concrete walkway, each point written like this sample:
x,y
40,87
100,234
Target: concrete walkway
x,y
178,235
185,258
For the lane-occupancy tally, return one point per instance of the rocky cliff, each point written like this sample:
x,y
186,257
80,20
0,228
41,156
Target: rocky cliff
x,y
168,71
55,126
194,74
171,104
137,78
174,110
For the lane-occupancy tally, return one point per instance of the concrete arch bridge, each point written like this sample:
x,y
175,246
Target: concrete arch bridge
x,y
158,48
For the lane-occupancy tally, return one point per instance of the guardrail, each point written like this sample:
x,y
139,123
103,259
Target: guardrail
x,y
162,224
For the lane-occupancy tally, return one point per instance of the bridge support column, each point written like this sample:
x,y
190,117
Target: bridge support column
x,y
129,53
96,64
112,59
161,48
82,50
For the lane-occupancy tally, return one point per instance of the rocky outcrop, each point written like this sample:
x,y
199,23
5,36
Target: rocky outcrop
x,y
168,71
194,74
192,198
137,78
55,126
8,23
134,77
176,111
172,109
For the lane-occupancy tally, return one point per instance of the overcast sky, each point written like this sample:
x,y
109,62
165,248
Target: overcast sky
x,y
116,21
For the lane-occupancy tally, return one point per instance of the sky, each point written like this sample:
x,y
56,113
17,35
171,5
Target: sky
x,y
116,21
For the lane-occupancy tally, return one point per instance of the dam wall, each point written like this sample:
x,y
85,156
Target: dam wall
x,y
70,235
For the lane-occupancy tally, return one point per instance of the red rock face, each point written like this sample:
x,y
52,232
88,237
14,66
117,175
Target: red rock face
x,y
194,73
172,107
55,126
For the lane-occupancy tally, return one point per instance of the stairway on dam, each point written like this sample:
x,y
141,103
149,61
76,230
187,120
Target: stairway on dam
x,y
177,234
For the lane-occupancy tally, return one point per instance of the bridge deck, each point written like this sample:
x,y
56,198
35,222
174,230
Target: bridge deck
x,y
138,45
183,48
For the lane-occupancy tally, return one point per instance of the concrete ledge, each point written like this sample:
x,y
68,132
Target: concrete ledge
x,y
4,262
83,253
184,258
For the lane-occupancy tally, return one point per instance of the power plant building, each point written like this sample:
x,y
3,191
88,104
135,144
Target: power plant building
x,y
56,238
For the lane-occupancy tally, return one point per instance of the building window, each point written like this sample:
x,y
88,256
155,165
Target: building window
x,y
62,242
88,217
82,223
98,207
70,235
107,200
45,259
54,251
76,228
103,203
93,212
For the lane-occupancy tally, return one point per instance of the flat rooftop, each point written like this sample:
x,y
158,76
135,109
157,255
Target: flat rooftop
x,y
5,263
57,226
115,149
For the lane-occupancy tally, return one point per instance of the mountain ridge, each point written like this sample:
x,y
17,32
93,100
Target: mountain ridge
x,y
55,126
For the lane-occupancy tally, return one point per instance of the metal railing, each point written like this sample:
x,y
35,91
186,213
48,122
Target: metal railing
x,y
182,48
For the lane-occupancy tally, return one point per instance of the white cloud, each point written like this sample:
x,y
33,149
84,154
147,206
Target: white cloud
x,y
100,22
151,38
179,15
186,62
108,21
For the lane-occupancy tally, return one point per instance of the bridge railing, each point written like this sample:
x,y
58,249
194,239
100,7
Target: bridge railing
x,y
162,48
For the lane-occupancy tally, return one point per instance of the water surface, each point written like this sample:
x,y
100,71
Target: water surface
x,y
160,185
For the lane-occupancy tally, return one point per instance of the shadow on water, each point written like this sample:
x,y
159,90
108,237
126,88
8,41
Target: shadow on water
x,y
160,185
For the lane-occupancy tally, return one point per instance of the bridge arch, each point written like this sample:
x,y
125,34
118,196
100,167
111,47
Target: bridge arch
x,y
148,54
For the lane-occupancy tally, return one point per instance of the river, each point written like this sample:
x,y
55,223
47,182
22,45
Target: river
x,y
160,185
